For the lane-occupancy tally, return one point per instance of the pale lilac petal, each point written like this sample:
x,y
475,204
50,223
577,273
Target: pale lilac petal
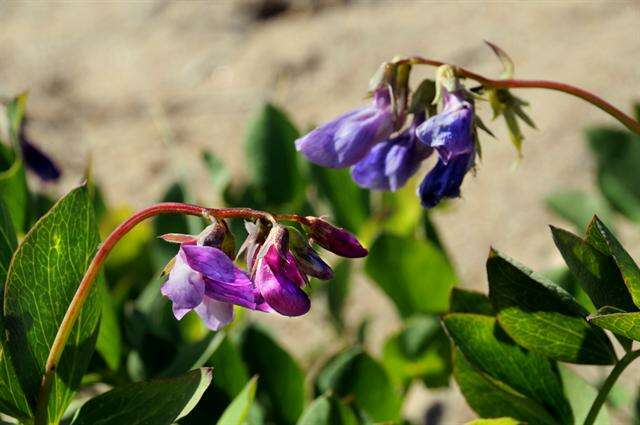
x,y
215,314
185,287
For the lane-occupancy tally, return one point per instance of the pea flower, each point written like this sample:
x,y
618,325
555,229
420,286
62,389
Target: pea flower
x,y
348,138
335,239
451,134
392,162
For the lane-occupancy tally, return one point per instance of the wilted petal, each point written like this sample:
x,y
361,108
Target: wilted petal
x,y
444,180
279,291
348,138
38,162
185,287
223,280
215,314
451,131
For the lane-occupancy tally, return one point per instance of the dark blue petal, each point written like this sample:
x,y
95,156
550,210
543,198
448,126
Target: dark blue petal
x,y
444,180
38,162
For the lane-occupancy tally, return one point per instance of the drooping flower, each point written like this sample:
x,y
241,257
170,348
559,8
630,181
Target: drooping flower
x,y
348,138
392,162
451,134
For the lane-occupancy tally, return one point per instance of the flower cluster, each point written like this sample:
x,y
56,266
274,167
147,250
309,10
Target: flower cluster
x,y
384,147
279,260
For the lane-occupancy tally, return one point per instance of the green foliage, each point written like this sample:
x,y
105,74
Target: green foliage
x,y
281,378
43,277
578,207
238,410
158,402
618,322
414,273
542,317
328,410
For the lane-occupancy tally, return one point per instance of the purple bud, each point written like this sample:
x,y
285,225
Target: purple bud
x,y
307,258
348,138
335,239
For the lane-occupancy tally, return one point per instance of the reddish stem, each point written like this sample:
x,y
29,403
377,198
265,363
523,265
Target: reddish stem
x,y
597,101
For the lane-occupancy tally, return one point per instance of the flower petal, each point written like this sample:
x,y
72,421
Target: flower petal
x,y
215,314
444,180
281,293
185,287
38,162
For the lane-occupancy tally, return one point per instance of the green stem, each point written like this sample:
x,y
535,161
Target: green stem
x,y
585,95
617,370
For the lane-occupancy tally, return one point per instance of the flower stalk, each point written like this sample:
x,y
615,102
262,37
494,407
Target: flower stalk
x,y
585,95
84,288
617,370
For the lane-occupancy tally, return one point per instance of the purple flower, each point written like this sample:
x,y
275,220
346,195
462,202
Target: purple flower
x,y
204,279
444,180
392,162
307,259
279,281
37,161
451,131
348,138
335,239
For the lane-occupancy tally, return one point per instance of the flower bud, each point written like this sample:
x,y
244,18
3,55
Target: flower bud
x,y
256,235
307,259
335,239
217,235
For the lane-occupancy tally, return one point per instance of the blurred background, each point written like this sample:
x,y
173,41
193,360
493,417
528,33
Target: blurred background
x,y
143,88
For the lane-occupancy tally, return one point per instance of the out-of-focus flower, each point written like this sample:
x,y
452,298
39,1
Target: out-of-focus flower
x,y
392,162
348,138
335,239
36,160
444,180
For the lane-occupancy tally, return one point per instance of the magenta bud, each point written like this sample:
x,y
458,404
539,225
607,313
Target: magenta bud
x,y
335,239
308,260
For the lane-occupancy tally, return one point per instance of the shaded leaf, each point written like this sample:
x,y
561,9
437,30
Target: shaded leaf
x,y
337,292
281,378
327,410
109,343
494,353
237,411
466,301
597,272
542,317
354,374
43,277
157,402
194,355
218,172
271,156
413,273
578,207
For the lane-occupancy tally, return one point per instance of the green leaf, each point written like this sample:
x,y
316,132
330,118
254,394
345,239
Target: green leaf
x,y
413,273
349,204
218,172
43,277
271,156
354,374
109,343
597,272
238,410
491,398
337,292
617,154
194,355
605,240
12,399
157,402
13,183
493,352
466,301
231,372
620,323
327,410
495,421
578,207
281,378
420,350
581,396
543,317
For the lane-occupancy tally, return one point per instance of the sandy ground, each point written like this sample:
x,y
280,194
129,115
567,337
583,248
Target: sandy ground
x,y
111,80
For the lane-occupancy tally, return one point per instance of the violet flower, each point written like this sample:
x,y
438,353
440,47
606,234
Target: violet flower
x,y
348,138
392,162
